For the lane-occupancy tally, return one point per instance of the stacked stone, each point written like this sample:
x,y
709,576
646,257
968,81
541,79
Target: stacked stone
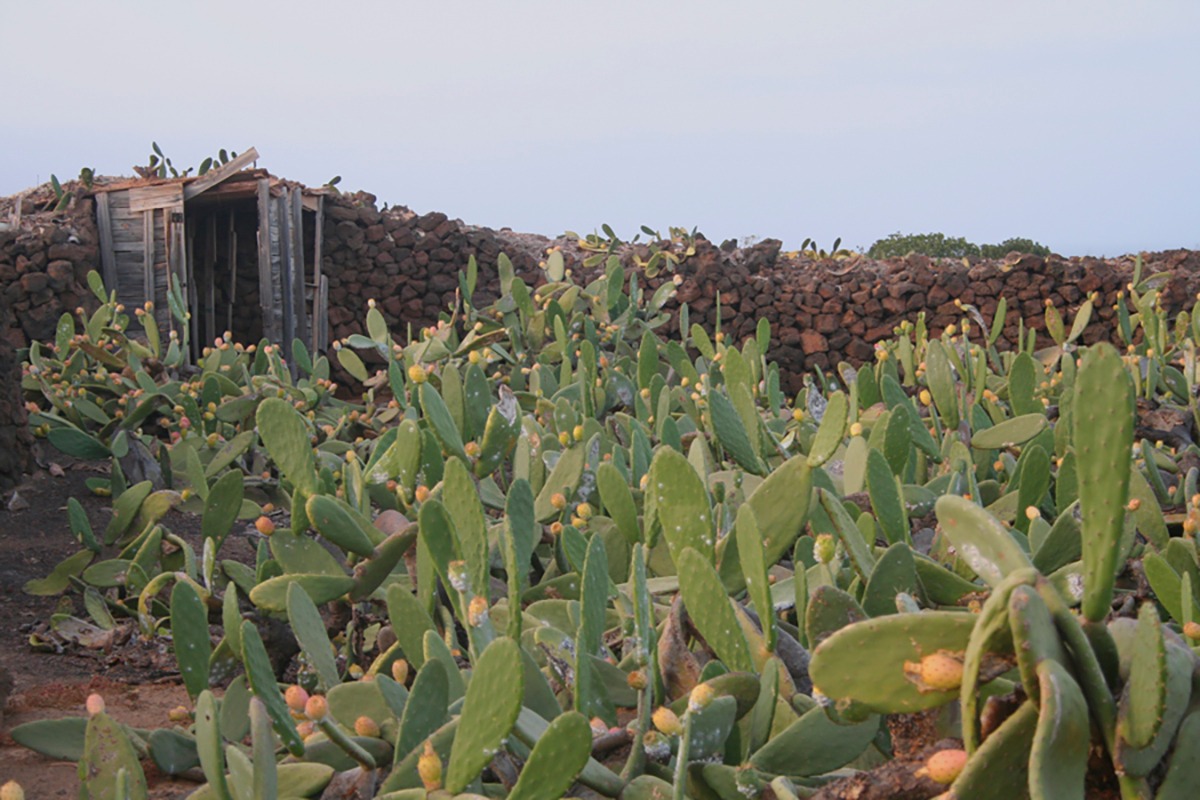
x,y
15,439
43,271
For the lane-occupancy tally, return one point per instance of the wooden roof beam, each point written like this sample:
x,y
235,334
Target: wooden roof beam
x,y
221,173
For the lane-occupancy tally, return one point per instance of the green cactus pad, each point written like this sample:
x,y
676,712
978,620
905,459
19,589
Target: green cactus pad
x,y
1183,774
339,523
562,479
814,745
1035,637
1010,433
980,539
441,421
857,547
829,610
1103,436
309,630
1144,702
831,431
425,711
1059,756
618,501
999,769
893,573
754,568
459,492
222,506
709,608
106,752
190,637
886,501
262,681
681,504
490,709
781,505
271,594
286,437
557,758
864,663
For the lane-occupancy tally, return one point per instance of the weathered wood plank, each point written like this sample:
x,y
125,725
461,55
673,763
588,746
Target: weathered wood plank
x,y
265,293
283,214
297,275
223,172
148,251
151,197
108,257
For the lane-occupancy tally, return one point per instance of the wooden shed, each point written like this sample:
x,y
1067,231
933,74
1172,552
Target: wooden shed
x,y
243,247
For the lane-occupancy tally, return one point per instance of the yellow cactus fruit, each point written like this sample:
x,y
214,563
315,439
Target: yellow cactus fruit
x,y
825,548
429,767
940,671
179,714
1032,513
667,721
577,433
316,708
584,510
365,726
856,429
926,397
798,414
417,374
700,697
422,494
400,671
944,766
636,680
12,791
558,500
296,698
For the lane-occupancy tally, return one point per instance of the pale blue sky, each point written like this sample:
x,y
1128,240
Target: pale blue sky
x,y
1073,123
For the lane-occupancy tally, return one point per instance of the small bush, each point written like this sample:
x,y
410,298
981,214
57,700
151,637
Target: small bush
x,y
938,245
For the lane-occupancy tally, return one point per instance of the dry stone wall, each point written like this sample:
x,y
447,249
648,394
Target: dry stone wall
x,y
821,312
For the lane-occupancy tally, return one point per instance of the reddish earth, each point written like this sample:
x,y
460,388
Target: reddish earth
x,y
136,679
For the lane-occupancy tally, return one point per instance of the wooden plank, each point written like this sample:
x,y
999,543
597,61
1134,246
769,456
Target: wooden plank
x,y
297,251
282,208
108,257
150,197
209,278
264,258
231,236
148,255
221,173
321,316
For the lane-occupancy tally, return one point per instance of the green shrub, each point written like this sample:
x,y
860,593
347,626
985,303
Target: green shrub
x,y
937,245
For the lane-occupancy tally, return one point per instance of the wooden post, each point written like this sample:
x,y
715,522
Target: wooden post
x,y
265,293
297,271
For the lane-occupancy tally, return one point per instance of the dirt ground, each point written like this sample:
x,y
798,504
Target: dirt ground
x,y
137,680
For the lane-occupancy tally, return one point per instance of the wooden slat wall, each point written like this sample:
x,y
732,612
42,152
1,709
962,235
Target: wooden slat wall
x,y
127,230
282,214
268,249
149,197
296,277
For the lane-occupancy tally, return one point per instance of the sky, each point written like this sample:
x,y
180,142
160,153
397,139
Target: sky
x,y
1076,124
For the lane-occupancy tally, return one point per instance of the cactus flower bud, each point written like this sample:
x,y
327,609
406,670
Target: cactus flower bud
x,y
95,705
422,494
584,510
925,397
477,611
429,767
400,671
365,726
564,438
636,680
264,525
296,698
700,697
558,500
12,791
472,449
179,714
1134,504
577,433
825,548
556,528
944,766
667,721
316,708
1032,513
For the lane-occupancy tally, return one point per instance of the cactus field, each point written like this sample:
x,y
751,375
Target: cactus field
x,y
572,545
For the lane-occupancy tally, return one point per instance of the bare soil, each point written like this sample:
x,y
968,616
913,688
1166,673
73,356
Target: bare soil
x,y
137,679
